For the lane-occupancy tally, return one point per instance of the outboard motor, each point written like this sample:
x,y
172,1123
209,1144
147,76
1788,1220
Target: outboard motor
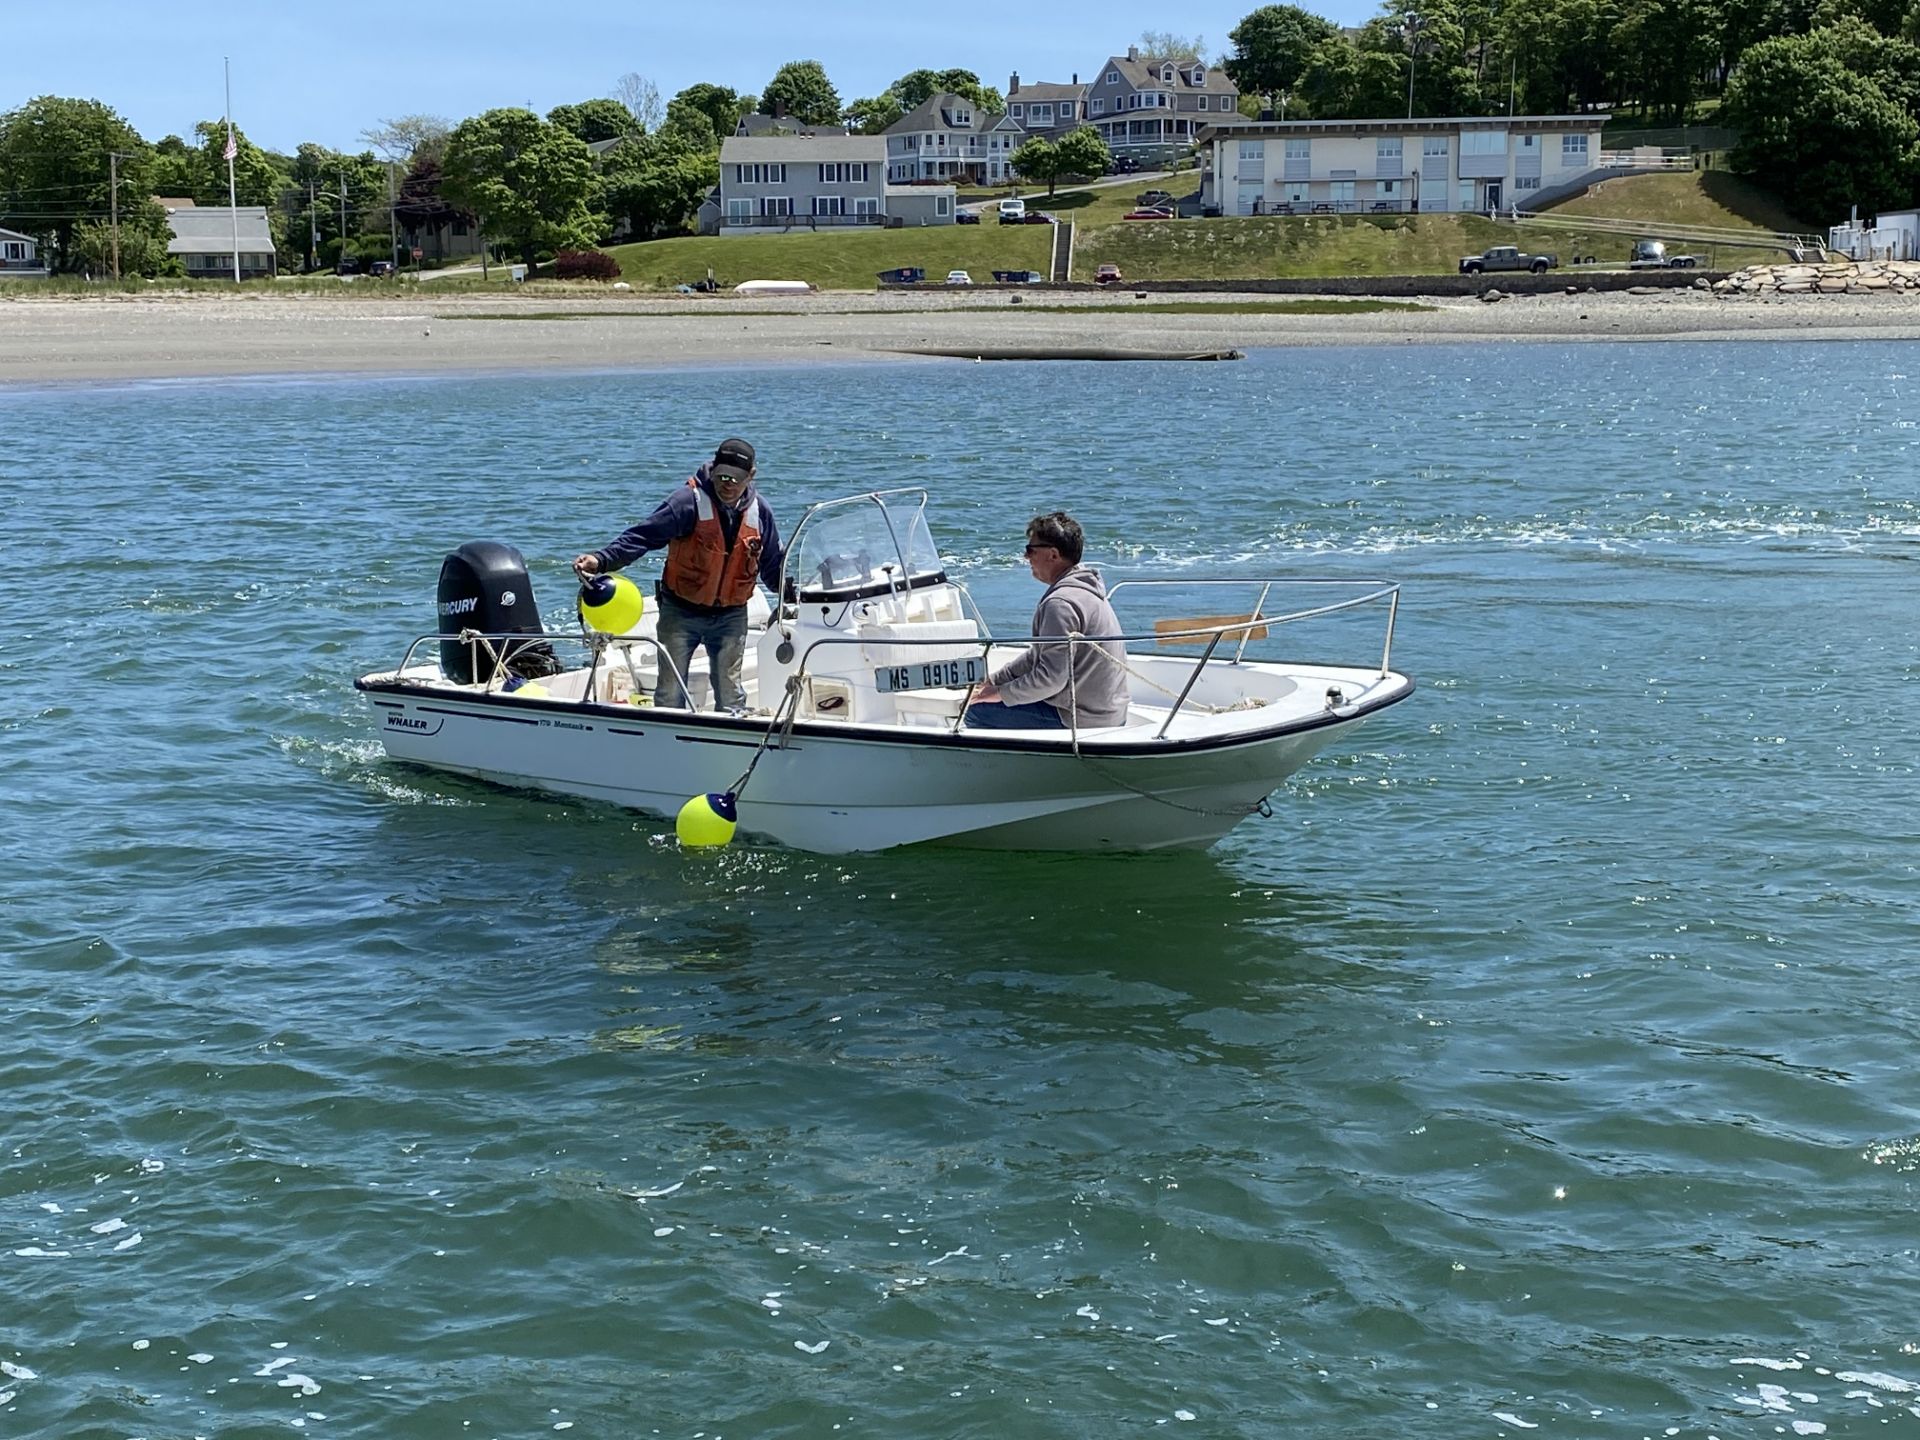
x,y
484,587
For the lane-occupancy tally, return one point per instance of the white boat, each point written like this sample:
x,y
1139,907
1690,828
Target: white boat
x,y
773,287
854,738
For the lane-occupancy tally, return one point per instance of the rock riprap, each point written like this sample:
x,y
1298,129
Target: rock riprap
x,y
1835,277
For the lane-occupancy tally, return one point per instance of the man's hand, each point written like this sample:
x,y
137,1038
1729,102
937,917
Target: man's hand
x,y
585,565
987,693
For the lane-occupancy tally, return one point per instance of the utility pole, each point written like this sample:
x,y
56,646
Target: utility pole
x,y
313,228
393,220
343,212
113,169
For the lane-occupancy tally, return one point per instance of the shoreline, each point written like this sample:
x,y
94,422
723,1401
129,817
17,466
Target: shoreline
x,y
59,340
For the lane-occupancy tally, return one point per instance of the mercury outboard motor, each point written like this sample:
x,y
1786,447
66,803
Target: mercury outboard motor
x,y
484,587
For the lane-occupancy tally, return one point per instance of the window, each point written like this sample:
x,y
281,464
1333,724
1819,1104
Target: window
x,y
844,172
1299,149
1573,149
1529,142
1098,107
774,206
1043,114
1203,102
1483,142
1387,152
865,205
1341,192
16,250
1254,149
1465,188
1526,182
1295,194
1113,77
1016,111
1434,147
1387,189
962,118
760,174
942,204
829,204
1199,75
739,210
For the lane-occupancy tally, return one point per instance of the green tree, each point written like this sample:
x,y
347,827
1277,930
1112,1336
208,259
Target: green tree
x,y
916,87
718,105
873,116
1273,46
526,181
406,137
1827,135
655,183
1664,45
1037,160
800,89
1082,152
593,120
256,179
56,175
175,167
1157,45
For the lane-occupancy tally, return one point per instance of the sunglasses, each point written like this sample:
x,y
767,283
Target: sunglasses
x,y
1035,549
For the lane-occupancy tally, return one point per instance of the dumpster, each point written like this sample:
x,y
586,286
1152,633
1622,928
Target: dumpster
x,y
905,275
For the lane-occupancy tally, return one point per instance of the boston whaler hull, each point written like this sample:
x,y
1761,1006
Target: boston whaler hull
x,y
853,738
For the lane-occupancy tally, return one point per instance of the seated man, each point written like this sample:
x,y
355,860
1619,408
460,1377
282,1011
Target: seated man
x,y
1057,686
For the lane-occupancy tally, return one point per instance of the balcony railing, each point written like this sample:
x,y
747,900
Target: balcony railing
x,y
800,222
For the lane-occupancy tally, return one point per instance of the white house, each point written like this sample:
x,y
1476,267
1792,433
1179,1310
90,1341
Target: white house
x,y
948,137
20,256
1292,167
203,237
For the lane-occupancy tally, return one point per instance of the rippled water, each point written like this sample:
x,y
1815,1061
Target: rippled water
x,y
1546,1062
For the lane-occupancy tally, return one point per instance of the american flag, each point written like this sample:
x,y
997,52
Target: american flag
x,y
232,149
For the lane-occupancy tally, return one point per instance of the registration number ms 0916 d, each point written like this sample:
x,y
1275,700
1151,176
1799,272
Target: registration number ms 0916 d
x,y
931,674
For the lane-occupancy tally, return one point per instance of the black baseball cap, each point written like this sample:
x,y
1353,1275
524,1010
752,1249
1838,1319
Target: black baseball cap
x,y
733,458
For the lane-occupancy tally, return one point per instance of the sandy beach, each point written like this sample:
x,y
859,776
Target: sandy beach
x,y
64,339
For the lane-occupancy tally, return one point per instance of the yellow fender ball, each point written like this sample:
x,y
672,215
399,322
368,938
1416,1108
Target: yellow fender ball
x,y
706,821
611,604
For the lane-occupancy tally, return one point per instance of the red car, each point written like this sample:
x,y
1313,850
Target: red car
x,y
1149,212
1107,275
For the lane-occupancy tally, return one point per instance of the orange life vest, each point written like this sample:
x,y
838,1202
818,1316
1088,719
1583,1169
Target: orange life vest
x,y
701,569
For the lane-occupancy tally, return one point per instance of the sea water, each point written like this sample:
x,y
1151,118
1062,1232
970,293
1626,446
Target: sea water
x,y
1546,1061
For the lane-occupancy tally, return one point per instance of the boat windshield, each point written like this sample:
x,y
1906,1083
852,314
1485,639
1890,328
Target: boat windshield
x,y
867,545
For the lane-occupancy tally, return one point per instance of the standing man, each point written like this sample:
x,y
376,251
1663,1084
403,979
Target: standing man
x,y
719,536
1059,686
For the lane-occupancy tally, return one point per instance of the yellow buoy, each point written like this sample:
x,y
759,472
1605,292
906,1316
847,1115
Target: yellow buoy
x,y
706,821
611,604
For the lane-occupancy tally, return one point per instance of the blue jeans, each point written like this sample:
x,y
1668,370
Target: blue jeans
x,y
992,715
682,631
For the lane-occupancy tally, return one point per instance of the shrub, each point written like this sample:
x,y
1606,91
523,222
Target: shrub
x,y
585,265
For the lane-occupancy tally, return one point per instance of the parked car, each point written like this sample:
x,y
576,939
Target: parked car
x,y
347,267
1040,217
1508,257
1149,212
1652,255
1125,165
966,217
380,267
1148,198
1018,277
959,277
1013,212
1107,275
905,275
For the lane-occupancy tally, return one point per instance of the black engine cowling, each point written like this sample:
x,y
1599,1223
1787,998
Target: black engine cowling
x,y
484,587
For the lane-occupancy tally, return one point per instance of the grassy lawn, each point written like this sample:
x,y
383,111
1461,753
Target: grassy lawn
x,y
1240,307
844,260
1699,197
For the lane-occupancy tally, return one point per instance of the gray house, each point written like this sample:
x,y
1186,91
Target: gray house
x,y
203,237
19,256
1045,109
801,182
948,137
1150,109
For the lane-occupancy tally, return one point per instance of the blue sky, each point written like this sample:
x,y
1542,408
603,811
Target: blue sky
x,y
327,72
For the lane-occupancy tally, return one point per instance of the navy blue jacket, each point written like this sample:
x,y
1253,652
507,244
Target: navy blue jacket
x,y
675,518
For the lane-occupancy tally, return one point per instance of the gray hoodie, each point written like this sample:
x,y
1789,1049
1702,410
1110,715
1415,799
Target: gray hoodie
x,y
1076,603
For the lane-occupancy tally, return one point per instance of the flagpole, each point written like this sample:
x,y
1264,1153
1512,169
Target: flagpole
x,y
233,208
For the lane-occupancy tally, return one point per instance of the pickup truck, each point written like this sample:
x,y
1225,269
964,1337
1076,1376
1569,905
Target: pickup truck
x,y
1652,255
1508,257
